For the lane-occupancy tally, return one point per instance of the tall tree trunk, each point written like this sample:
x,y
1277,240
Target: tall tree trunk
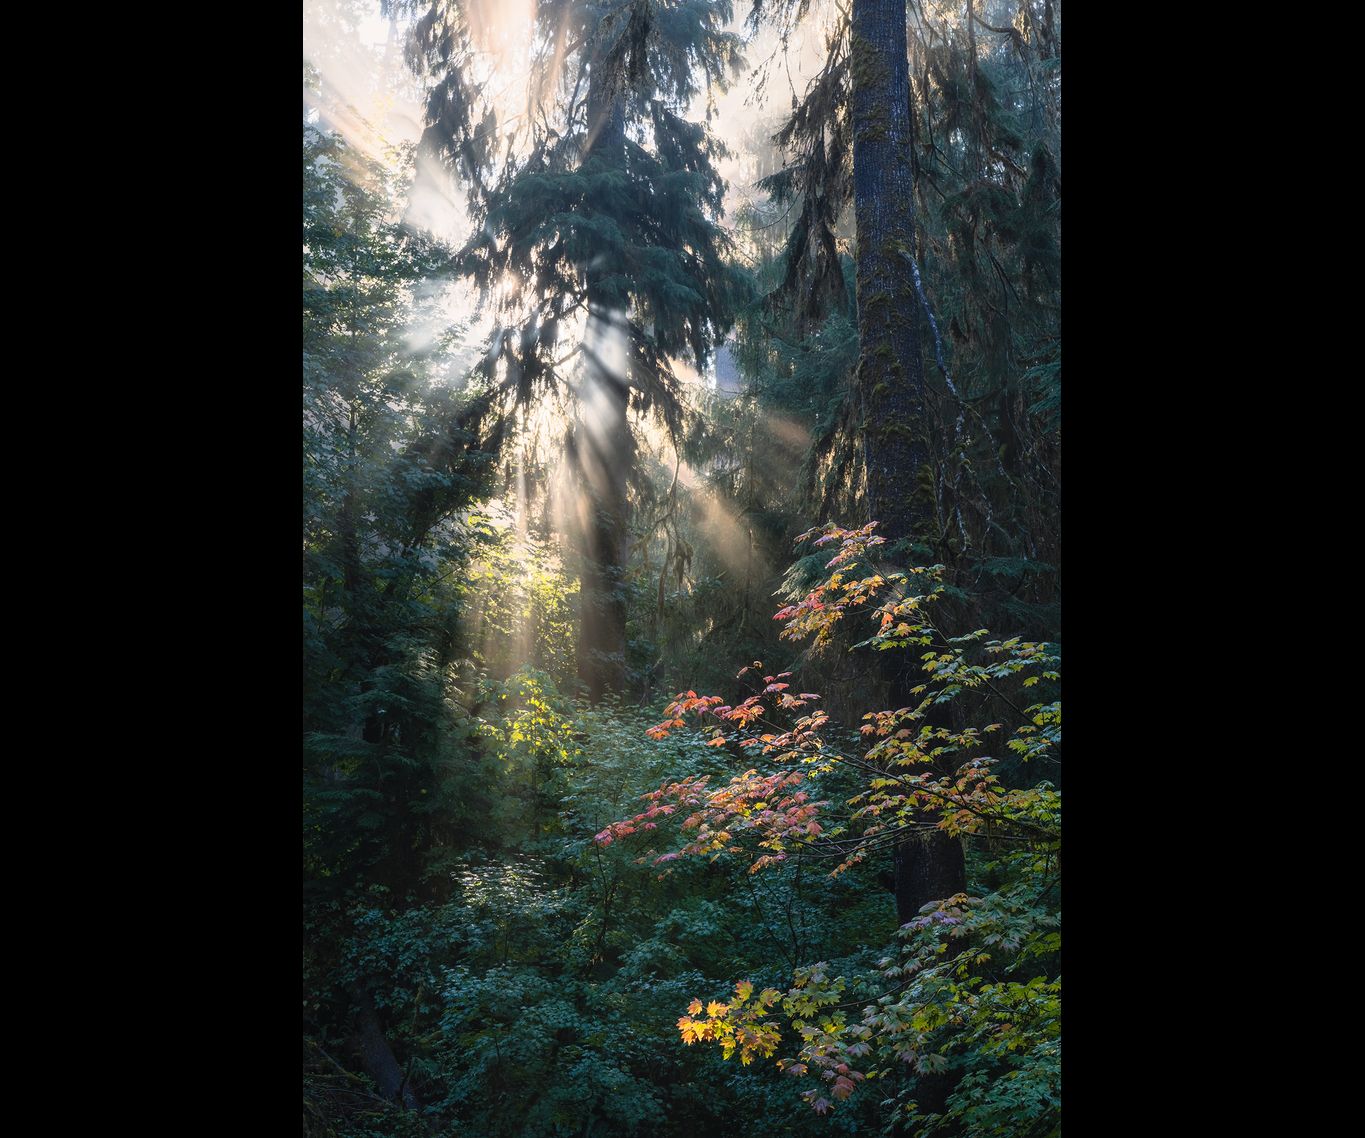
x,y
889,384
377,1056
929,867
604,445
605,450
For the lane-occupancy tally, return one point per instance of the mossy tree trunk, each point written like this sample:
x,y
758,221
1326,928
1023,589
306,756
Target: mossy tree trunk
x,y
890,375
889,385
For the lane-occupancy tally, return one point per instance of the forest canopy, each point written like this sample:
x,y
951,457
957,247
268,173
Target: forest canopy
x,y
681,567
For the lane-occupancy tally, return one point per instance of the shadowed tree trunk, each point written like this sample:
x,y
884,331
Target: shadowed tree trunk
x,y
604,446
890,375
377,1056
889,384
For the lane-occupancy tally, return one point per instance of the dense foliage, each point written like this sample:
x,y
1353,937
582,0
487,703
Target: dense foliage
x,y
984,964
593,844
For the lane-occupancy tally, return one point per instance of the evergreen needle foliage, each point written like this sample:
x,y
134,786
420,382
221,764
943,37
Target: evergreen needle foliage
x,y
566,873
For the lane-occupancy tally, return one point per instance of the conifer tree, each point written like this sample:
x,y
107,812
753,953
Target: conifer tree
x,y
597,240
854,141
979,272
386,466
954,189
863,91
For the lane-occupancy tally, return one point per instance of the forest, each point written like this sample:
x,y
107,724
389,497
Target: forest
x,y
681,663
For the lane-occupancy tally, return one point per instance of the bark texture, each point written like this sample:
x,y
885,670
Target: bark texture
x,y
890,375
889,384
